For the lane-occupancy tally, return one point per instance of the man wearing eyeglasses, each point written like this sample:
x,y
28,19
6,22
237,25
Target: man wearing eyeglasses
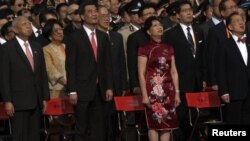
x,y
17,5
75,20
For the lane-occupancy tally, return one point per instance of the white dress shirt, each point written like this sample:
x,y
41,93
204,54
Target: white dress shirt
x,y
215,20
89,31
242,47
21,43
35,30
184,28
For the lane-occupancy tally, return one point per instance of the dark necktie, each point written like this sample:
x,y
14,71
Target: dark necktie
x,y
242,39
190,39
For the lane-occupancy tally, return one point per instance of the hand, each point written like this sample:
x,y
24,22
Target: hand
x,y
215,87
45,105
73,98
124,93
225,98
204,85
159,11
177,100
145,101
109,95
62,81
9,109
137,90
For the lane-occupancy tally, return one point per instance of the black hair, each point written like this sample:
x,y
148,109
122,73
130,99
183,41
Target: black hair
x,y
42,16
48,27
149,22
181,3
230,17
5,28
59,6
146,6
222,5
83,6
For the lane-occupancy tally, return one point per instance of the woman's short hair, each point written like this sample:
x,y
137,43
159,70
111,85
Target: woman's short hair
x,y
48,27
149,22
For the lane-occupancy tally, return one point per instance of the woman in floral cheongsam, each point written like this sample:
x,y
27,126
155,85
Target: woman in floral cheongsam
x,y
159,82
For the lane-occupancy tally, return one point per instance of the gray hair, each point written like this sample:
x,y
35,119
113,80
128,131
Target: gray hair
x,y
17,20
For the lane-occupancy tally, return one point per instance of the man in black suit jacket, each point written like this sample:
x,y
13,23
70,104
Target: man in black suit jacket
x,y
216,18
215,37
119,71
89,75
234,72
24,82
190,61
136,40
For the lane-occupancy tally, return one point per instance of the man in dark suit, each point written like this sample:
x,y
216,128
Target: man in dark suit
x,y
136,40
216,18
118,70
234,72
215,37
89,75
24,82
189,58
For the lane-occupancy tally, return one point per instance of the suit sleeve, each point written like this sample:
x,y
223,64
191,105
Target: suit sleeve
x,y
123,64
221,70
132,62
46,94
71,55
108,62
5,74
211,53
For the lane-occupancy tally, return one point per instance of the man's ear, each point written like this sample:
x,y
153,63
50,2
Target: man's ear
x,y
15,29
82,17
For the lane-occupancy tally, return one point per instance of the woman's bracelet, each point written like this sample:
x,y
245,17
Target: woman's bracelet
x,y
177,91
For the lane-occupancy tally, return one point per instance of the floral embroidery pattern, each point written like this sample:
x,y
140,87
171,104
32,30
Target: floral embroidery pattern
x,y
160,98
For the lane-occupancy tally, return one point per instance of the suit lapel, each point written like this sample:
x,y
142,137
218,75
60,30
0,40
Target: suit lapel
x,y
22,54
248,50
87,42
183,38
99,43
236,48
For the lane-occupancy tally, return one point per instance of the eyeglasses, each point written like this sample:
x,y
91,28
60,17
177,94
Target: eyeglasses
x,y
21,5
75,12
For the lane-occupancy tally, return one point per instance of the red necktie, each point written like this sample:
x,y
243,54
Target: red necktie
x,y
93,43
29,55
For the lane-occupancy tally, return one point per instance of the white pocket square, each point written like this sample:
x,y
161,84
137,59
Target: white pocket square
x,y
200,41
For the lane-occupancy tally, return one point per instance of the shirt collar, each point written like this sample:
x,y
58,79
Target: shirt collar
x,y
236,37
89,31
20,41
215,20
183,26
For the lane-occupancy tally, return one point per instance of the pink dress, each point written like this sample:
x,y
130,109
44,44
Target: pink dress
x,y
159,84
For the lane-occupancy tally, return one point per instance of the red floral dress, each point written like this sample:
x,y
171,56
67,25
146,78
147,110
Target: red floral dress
x,y
159,84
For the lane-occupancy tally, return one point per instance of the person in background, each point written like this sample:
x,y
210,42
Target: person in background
x,y
119,71
54,54
73,16
158,79
61,10
7,31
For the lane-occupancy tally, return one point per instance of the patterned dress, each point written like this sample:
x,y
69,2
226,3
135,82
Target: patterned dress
x,y
159,84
